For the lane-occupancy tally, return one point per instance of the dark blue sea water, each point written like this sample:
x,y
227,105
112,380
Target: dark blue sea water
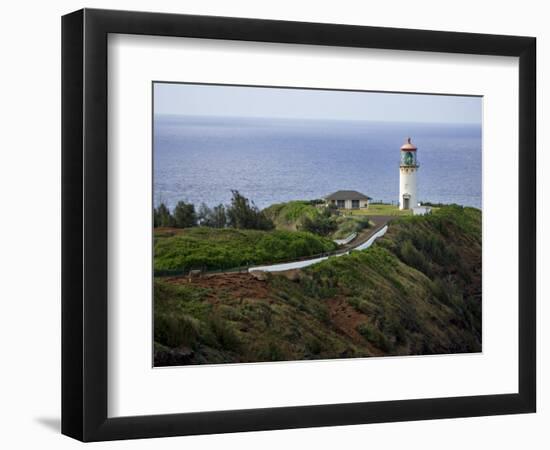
x,y
200,159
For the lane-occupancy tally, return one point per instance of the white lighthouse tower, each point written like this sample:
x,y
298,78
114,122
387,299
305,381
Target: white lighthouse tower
x,y
407,176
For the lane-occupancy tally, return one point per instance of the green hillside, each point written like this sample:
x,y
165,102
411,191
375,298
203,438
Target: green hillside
x,y
290,215
215,248
295,214
416,291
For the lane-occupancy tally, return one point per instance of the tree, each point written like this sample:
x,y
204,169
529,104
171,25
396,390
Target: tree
x,y
184,215
212,217
241,213
219,218
162,216
204,215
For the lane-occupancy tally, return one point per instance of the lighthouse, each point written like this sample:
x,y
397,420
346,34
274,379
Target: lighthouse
x,y
407,176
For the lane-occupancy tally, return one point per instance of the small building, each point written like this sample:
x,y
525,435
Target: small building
x,y
348,200
421,210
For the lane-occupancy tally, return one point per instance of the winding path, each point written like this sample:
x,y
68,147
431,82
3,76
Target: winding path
x,y
363,241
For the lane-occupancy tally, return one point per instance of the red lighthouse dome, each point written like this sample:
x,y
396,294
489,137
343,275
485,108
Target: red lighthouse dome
x,y
408,146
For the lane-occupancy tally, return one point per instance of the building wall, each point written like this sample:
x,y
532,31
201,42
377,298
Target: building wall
x,y
348,203
407,185
362,204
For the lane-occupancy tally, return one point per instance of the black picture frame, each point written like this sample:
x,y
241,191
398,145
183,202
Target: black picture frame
x,y
84,224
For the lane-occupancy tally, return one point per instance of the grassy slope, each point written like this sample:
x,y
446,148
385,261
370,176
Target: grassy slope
x,y
416,291
290,216
350,224
226,248
383,209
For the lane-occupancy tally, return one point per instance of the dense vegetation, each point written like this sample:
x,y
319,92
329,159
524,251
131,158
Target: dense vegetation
x,y
416,291
211,248
240,213
315,218
291,215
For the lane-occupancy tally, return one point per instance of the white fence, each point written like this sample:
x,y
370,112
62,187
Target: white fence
x,y
381,232
347,240
309,262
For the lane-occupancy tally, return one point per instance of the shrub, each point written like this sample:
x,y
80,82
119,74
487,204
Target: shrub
x,y
360,305
322,225
374,336
269,351
174,330
314,345
411,256
441,291
225,334
363,223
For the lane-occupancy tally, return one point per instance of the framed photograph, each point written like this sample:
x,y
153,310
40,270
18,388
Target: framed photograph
x,y
273,224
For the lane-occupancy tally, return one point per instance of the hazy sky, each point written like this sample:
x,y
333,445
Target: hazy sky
x,y
238,101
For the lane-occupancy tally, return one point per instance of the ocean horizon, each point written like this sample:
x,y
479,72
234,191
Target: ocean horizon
x,y
200,159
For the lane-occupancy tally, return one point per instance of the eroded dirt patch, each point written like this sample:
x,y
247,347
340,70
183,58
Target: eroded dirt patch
x,y
345,317
238,286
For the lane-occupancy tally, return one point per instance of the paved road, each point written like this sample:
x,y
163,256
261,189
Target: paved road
x,y
363,241
364,235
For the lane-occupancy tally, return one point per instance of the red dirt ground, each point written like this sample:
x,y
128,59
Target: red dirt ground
x,y
238,285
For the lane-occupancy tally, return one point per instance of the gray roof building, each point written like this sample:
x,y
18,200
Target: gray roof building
x,y
348,200
347,195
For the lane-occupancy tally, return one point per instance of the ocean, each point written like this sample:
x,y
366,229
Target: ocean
x,y
201,159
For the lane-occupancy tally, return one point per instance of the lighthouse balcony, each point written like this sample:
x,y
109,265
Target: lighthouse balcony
x,y
408,168
415,164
